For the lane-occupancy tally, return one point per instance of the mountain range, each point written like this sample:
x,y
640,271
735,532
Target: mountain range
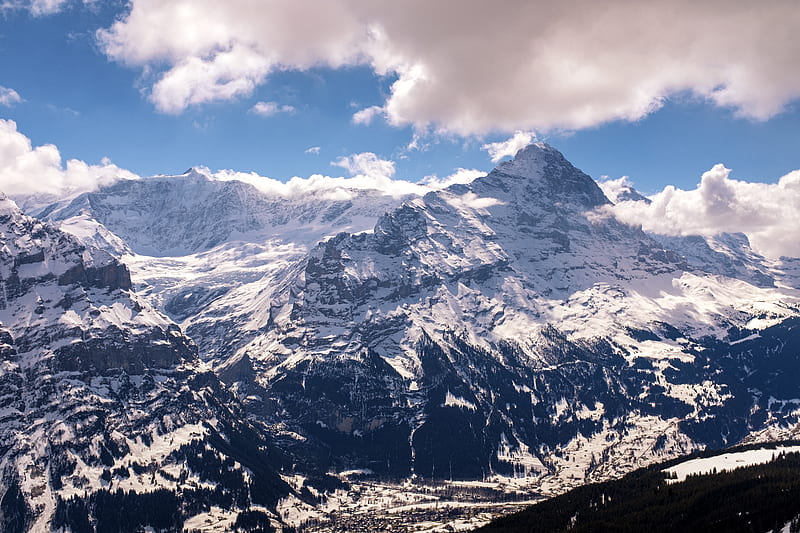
x,y
257,356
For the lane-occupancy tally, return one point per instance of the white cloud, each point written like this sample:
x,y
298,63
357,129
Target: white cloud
x,y
314,150
46,7
471,200
25,169
38,170
9,97
509,147
196,80
340,188
366,164
619,190
223,50
475,66
766,213
461,175
267,109
39,8
367,172
366,115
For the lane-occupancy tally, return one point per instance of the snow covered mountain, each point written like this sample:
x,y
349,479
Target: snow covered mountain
x,y
506,329
190,239
168,216
108,419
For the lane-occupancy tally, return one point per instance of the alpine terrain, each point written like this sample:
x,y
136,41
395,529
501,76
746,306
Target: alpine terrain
x,y
347,359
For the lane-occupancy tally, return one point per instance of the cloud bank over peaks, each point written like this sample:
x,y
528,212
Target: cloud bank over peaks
x,y
460,176
26,170
768,213
534,66
620,189
367,172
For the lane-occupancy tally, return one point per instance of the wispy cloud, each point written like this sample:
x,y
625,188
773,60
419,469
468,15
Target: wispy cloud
x,y
40,8
461,175
509,147
9,97
268,109
313,150
366,115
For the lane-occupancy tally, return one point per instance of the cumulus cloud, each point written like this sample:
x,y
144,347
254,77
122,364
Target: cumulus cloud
x,y
314,150
9,97
223,50
366,115
365,174
766,213
25,169
366,171
196,80
470,66
620,189
39,170
366,164
509,147
267,109
340,188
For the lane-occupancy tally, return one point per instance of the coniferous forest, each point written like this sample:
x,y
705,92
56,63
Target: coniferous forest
x,y
759,498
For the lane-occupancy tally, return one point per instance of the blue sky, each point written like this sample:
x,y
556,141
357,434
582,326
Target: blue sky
x,y
92,103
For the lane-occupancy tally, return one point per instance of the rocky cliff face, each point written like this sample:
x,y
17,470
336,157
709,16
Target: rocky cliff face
x,y
100,393
196,243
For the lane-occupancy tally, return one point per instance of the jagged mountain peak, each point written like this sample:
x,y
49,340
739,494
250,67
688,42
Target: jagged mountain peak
x,y
7,206
196,171
530,160
621,190
541,172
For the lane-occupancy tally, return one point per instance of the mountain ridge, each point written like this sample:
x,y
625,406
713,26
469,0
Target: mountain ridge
x,y
99,392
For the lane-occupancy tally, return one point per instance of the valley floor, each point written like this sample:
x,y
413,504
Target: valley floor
x,y
410,507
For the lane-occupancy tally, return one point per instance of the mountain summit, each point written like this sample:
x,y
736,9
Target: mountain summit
x,y
541,168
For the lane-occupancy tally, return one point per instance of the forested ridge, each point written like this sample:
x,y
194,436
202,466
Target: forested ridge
x,y
757,498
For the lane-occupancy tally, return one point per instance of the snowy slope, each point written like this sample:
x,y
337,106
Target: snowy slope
x,y
99,391
172,216
726,462
192,238
556,331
